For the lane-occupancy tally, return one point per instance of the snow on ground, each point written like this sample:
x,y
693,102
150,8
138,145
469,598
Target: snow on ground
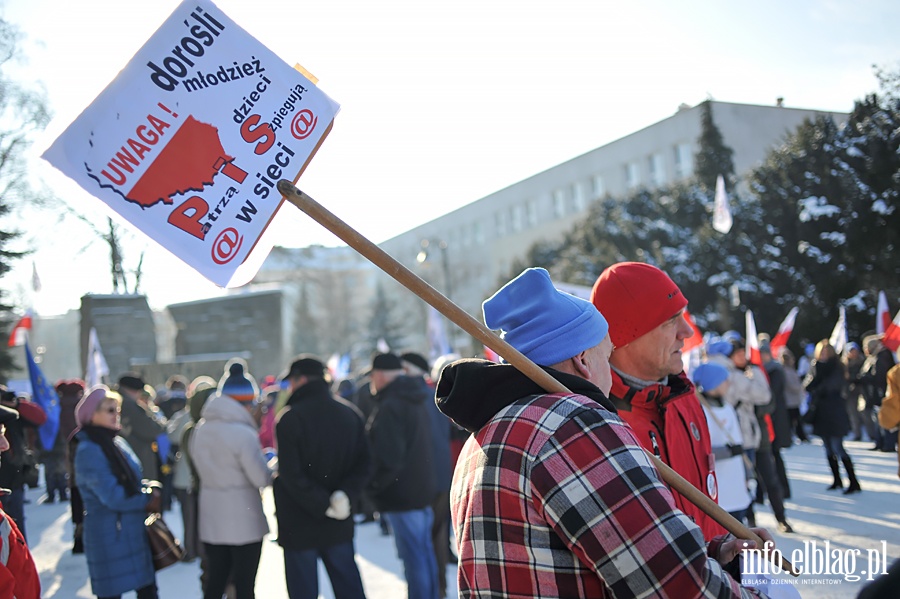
x,y
869,521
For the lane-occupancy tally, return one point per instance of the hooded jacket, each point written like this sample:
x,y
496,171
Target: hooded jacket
x,y
553,496
668,420
232,467
399,436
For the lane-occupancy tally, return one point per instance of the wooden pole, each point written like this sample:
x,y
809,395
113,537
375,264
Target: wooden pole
x,y
463,320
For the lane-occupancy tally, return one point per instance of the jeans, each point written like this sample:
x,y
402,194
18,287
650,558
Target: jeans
x,y
14,506
301,569
412,534
240,561
834,446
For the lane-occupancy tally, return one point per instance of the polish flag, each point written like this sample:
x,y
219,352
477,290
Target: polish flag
x,y
695,340
784,332
752,341
17,335
693,346
491,355
891,338
838,339
882,315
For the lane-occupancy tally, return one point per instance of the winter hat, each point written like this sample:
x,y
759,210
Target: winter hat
x,y
719,346
543,323
734,338
85,409
708,376
417,360
198,393
635,298
132,381
236,383
305,365
387,362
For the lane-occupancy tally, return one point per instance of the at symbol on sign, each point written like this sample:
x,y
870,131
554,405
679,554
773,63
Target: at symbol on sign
x,y
303,124
226,246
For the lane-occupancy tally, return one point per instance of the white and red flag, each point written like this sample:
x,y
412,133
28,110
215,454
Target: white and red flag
x,y
752,341
695,340
838,339
882,315
18,333
891,338
779,341
722,220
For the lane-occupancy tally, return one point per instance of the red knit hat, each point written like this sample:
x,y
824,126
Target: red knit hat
x,y
635,298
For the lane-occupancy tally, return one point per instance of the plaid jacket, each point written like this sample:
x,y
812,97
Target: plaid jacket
x,y
554,497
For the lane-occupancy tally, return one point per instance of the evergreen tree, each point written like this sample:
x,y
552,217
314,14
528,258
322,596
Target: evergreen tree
x,y
385,324
23,112
305,334
713,157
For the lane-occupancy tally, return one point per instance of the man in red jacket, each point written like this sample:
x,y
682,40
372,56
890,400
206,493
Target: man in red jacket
x,y
18,574
650,390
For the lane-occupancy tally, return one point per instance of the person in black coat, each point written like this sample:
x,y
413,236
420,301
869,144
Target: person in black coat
x,y
323,464
781,421
402,484
825,382
872,379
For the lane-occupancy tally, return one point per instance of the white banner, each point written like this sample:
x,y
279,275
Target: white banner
x,y
189,140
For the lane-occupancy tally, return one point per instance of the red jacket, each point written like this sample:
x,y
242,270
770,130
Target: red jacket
x,y
18,575
668,420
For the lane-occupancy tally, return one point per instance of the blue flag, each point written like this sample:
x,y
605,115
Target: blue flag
x,y
44,395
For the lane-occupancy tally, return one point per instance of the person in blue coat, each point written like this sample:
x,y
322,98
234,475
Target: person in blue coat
x,y
116,501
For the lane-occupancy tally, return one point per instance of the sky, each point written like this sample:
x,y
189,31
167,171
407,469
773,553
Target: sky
x,y
441,103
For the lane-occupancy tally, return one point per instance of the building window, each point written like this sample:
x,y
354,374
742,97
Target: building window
x,y
530,213
478,233
500,223
516,217
599,187
578,202
684,160
657,170
632,175
559,203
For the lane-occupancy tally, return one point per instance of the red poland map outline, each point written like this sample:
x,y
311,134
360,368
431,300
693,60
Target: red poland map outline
x,y
189,162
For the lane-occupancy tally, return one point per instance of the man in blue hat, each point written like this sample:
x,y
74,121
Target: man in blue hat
x,y
552,494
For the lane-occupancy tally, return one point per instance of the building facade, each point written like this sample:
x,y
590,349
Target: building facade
x,y
483,239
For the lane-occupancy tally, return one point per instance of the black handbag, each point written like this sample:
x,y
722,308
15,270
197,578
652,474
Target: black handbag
x,y
166,549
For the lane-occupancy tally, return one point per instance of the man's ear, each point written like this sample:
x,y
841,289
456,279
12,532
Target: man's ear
x,y
580,363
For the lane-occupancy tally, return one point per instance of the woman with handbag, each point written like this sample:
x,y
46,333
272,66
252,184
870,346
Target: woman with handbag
x,y
827,412
116,501
231,465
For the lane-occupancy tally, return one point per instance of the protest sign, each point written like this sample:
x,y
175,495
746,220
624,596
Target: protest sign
x,y
189,140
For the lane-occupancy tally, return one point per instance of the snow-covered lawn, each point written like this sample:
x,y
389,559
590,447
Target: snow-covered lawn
x,y
862,521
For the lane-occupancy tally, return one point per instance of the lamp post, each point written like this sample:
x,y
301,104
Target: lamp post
x,y
422,256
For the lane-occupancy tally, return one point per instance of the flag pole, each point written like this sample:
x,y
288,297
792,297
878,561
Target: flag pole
x,y
463,320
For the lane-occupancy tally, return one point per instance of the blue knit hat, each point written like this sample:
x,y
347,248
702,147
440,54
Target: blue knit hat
x,y
236,383
708,376
545,324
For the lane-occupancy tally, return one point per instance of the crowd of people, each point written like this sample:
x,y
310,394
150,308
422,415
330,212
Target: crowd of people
x,y
546,494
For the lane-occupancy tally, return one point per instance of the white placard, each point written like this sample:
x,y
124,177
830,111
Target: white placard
x,y
189,140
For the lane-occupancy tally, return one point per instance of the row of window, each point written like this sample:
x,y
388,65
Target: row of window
x,y
573,198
